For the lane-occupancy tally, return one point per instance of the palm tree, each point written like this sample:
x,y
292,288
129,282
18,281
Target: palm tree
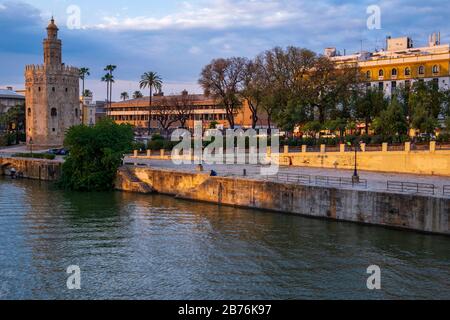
x,y
124,96
87,93
110,68
150,80
137,95
109,79
84,72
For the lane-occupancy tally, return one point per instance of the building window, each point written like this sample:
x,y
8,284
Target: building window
x,y
421,70
53,129
54,113
381,73
380,86
368,75
53,89
407,71
435,69
394,72
29,112
67,89
393,86
76,112
39,89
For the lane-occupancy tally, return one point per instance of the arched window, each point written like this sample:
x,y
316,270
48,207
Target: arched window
x,y
421,70
76,112
54,113
435,69
381,73
29,112
368,75
394,72
407,71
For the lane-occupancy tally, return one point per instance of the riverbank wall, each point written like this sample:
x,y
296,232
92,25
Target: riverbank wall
x,y
414,212
38,169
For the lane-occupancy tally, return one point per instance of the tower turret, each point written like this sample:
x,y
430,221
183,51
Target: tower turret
x,y
52,46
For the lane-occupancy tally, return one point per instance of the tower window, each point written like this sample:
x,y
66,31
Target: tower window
x,y
29,112
54,113
39,89
53,89
67,89
421,70
76,112
407,71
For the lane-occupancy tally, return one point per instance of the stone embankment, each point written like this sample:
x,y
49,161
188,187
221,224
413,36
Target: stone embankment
x,y
407,211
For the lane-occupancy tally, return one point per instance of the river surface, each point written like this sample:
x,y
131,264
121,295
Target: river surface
x,y
131,246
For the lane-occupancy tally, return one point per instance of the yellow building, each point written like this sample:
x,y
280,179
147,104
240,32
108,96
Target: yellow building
x,y
401,63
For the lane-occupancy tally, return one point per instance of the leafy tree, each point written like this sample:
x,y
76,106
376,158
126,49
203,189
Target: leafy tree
x,y
184,107
426,102
14,121
370,103
152,81
223,79
96,152
392,121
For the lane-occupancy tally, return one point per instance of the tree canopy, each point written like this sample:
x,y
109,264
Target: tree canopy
x,y
96,152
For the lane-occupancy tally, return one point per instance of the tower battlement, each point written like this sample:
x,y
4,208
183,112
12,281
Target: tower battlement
x,y
43,67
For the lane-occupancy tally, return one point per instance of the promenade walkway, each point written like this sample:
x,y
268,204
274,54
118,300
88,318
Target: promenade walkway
x,y
373,181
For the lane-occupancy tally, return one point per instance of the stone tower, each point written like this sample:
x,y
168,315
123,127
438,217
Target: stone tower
x,y
52,95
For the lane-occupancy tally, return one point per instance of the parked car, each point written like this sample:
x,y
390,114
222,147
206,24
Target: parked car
x,y
58,152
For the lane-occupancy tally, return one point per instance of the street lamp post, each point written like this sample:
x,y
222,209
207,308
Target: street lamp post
x,y
355,178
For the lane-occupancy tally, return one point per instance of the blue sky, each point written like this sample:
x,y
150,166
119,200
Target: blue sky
x,y
177,38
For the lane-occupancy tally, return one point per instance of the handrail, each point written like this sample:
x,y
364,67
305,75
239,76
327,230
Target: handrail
x,y
446,191
411,187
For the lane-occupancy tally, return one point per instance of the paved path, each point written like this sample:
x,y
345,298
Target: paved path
x,y
376,181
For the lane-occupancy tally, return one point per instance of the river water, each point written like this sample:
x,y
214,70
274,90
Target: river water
x,y
131,246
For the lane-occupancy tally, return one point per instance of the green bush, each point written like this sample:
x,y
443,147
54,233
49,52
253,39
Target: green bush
x,y
95,155
156,145
35,156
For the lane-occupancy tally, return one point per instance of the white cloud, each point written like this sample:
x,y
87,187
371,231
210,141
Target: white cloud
x,y
216,14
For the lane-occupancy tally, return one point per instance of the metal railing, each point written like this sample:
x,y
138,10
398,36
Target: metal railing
x,y
338,181
318,180
446,191
291,178
411,187
443,146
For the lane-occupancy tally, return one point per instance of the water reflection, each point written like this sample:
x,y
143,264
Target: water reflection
x,y
155,247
